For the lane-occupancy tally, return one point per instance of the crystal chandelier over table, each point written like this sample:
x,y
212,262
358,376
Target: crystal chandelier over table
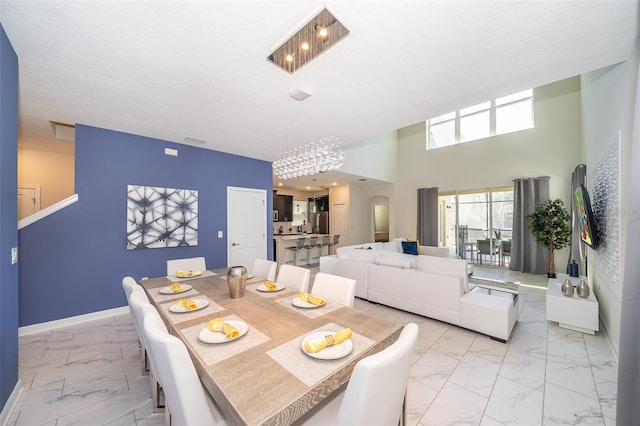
x,y
309,159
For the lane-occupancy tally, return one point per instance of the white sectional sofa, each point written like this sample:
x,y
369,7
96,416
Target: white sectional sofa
x,y
429,284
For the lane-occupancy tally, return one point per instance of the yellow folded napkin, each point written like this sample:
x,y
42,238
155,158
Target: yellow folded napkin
x,y
187,273
270,285
316,345
315,300
176,287
217,324
188,304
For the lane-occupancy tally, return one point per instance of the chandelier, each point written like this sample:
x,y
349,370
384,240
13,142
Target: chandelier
x,y
309,159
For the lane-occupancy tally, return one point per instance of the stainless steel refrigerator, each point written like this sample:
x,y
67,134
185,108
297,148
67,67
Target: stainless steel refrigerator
x,y
321,222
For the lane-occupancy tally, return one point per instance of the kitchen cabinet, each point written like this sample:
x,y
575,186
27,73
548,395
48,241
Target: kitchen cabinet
x,y
284,206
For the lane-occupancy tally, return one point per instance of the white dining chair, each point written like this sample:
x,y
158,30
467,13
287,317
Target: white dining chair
x,y
376,391
264,268
128,284
334,288
187,402
187,264
294,277
141,309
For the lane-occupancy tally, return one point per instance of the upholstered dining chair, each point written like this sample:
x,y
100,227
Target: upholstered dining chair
x,y
128,284
376,391
187,402
264,268
187,264
505,252
484,249
294,277
334,288
140,309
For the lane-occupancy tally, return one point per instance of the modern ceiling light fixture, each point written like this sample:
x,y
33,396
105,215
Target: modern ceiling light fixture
x,y
315,37
310,159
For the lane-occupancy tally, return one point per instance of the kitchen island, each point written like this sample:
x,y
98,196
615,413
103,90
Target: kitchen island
x,y
284,256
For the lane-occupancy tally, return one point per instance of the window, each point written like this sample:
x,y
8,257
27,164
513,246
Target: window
x,y
467,216
499,116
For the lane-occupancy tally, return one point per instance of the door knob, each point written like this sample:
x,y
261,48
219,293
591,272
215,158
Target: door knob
x,y
234,244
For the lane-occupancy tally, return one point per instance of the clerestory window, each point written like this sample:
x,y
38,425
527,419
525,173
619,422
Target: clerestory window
x,y
499,116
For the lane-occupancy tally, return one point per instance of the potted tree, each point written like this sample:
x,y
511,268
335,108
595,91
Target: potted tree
x,y
550,226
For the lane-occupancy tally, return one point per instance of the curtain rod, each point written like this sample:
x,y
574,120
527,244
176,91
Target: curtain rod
x,y
539,177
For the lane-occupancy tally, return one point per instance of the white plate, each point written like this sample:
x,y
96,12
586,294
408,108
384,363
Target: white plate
x,y
264,288
167,290
330,352
296,301
208,336
177,309
189,274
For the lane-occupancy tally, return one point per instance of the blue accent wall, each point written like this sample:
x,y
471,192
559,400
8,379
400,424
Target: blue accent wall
x,y
8,217
73,261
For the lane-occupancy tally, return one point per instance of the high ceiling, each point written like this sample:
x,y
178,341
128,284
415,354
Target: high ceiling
x,y
198,69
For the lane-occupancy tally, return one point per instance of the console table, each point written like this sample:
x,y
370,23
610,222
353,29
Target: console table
x,y
575,313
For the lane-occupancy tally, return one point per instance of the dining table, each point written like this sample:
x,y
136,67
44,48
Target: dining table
x,y
265,376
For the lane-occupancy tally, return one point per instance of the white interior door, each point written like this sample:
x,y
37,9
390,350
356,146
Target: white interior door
x,y
28,200
246,226
339,224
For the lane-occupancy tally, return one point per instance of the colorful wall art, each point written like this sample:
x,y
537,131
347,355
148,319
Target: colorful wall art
x,y
161,217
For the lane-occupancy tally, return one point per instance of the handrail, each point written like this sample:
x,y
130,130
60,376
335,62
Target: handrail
x,y
47,211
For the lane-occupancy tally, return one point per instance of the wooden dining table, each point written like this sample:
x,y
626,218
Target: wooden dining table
x,y
264,377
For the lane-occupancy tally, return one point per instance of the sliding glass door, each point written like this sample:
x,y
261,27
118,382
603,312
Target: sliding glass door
x,y
477,224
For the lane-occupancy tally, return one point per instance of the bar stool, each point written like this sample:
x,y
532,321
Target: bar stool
x,y
336,238
295,249
324,242
313,243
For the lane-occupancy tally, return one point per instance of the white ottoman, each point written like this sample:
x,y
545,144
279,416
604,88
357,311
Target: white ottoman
x,y
491,312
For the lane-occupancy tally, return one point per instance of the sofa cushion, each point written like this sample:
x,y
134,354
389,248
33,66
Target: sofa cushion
x,y
391,246
359,255
410,247
392,259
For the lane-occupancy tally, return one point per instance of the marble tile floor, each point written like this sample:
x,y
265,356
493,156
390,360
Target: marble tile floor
x,y
90,374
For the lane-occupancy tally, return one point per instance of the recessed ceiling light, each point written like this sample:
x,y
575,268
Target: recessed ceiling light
x,y
289,58
335,183
308,187
279,183
304,46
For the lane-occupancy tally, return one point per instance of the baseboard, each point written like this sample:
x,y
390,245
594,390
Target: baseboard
x,y
8,408
614,348
66,322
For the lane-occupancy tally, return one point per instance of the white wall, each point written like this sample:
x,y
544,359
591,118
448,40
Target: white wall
x,y
375,158
552,148
609,101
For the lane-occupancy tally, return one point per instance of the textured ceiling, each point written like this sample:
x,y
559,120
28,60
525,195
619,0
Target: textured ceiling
x,y
177,69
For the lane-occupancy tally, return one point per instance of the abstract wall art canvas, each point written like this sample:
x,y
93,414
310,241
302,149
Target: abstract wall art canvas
x,y
161,217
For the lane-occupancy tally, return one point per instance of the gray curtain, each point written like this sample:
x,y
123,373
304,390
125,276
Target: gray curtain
x,y
428,216
628,406
527,255
577,247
